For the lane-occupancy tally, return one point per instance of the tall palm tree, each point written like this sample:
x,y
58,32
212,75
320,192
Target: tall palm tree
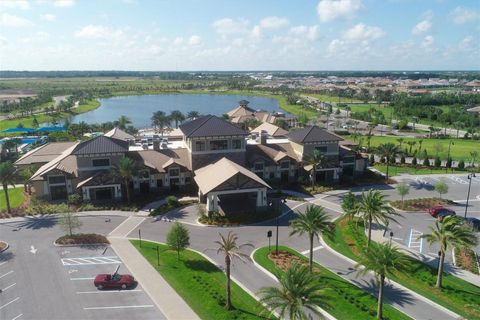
x,y
458,125
299,290
228,246
450,232
314,221
411,144
414,121
383,260
126,170
160,120
177,116
7,177
193,115
388,151
123,121
316,159
372,207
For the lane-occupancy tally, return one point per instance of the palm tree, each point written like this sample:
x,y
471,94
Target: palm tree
x,y
420,142
372,207
411,144
177,116
473,155
7,176
125,170
400,142
160,120
388,151
449,233
193,115
228,246
383,260
316,159
458,125
414,121
123,121
299,290
314,221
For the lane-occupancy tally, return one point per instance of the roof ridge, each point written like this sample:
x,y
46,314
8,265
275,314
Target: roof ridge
x,y
208,117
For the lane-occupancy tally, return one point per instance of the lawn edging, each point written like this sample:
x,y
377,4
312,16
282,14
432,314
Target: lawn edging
x,y
419,296
268,273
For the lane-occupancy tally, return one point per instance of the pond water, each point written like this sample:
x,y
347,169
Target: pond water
x,y
140,108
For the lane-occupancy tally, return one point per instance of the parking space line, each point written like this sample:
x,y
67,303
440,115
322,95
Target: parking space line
x,y
6,274
2,263
90,261
314,249
5,289
119,307
9,303
78,279
21,314
109,291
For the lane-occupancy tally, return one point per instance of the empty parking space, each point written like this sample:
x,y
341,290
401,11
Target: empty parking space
x,y
82,265
10,300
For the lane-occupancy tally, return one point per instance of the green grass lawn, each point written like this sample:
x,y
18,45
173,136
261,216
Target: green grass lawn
x,y
88,106
364,107
347,301
457,295
201,284
460,149
332,98
394,170
15,196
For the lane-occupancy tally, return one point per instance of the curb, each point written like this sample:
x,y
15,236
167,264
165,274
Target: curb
x,y
419,296
6,246
80,245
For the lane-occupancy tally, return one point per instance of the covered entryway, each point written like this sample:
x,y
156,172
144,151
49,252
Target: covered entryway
x,y
225,186
100,187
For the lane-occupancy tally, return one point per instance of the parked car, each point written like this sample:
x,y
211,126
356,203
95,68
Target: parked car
x,y
114,281
474,223
440,212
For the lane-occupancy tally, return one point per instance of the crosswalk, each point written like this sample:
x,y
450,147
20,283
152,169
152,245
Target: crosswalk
x,y
450,179
414,242
90,261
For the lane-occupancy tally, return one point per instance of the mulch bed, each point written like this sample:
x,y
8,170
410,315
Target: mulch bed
x,y
82,239
284,260
422,204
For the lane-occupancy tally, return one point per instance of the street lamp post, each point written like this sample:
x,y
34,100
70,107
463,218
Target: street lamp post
x,y
439,256
448,155
391,236
470,177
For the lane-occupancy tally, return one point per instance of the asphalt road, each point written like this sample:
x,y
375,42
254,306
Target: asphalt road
x,y
36,277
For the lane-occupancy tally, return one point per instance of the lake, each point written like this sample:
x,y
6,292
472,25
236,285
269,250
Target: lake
x,y
140,108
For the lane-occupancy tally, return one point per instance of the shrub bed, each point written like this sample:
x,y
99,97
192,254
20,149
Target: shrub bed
x,y
166,207
215,219
465,258
420,204
42,207
82,238
345,300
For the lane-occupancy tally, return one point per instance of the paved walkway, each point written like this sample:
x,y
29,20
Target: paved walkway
x,y
161,293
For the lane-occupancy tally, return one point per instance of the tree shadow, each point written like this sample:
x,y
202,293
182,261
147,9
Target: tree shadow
x,y
36,223
422,185
201,265
391,294
6,256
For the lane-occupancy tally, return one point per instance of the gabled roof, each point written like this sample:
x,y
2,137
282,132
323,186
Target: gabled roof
x,y
272,153
312,134
44,153
241,110
64,162
160,160
208,177
271,129
119,134
210,126
100,144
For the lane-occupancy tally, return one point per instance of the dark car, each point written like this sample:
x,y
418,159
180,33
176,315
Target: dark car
x,y
440,212
114,281
474,223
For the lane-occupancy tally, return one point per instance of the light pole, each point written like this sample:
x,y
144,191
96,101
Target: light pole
x,y
448,155
470,177
391,236
439,256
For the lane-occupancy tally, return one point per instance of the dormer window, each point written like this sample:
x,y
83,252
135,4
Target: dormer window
x,y
174,172
285,165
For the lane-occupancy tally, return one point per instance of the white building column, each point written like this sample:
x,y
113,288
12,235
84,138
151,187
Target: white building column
x,y
261,198
118,191
86,194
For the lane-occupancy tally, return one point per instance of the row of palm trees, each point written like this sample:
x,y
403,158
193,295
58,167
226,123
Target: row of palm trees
x,y
160,120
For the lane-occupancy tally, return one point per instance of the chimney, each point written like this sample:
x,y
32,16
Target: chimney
x,y
156,144
263,137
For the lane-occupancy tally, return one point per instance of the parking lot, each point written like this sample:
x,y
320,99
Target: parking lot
x,y
10,303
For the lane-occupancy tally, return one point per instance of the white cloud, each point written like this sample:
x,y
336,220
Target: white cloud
x,y
273,22
48,17
329,10
427,42
3,41
63,3
461,15
311,33
362,32
98,32
335,45
178,41
22,4
228,26
422,27
194,40
256,32
10,20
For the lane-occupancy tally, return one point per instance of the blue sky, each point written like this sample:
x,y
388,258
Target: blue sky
x,y
239,35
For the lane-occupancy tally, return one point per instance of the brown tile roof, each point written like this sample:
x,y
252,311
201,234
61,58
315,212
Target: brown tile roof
x,y
210,126
312,134
44,153
208,177
100,144
239,111
119,134
272,153
64,162
160,160
271,129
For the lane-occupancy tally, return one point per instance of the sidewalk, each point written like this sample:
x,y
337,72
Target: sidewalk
x,y
377,236
166,299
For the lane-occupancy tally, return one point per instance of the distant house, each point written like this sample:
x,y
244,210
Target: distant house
x,y
243,113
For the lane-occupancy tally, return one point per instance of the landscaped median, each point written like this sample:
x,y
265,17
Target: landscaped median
x,y
200,283
456,295
346,301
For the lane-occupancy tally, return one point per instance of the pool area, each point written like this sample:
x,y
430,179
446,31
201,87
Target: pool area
x,y
27,140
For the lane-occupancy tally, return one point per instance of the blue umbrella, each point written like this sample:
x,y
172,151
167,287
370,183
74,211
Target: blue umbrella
x,y
45,129
17,130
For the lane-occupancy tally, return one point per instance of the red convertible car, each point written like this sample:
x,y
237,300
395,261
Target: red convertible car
x,y
114,281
